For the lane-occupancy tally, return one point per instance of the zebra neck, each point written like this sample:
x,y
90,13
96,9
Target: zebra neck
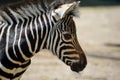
x,y
30,30
30,27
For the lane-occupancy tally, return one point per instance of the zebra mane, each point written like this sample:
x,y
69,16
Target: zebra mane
x,y
44,5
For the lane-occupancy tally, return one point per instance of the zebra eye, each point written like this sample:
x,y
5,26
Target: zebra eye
x,y
67,36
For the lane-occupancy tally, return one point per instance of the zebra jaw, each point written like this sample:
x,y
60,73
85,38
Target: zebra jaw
x,y
65,9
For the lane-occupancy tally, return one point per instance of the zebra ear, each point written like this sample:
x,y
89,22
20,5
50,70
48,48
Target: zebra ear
x,y
65,9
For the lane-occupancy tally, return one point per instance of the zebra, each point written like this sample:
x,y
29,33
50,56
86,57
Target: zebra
x,y
28,26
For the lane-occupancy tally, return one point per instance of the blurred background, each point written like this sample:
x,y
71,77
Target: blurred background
x,y
83,2
98,31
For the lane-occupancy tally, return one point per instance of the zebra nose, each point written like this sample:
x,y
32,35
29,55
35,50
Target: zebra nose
x,y
79,66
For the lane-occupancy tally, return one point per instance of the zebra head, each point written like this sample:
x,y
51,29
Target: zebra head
x,y
63,39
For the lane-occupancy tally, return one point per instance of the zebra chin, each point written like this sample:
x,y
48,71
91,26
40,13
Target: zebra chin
x,y
79,66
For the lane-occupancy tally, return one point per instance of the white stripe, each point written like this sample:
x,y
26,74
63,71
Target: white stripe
x,y
14,70
27,40
55,40
43,42
41,26
26,26
7,39
3,29
66,50
31,28
15,15
30,15
36,26
2,24
51,43
37,36
24,57
3,78
58,47
49,18
6,69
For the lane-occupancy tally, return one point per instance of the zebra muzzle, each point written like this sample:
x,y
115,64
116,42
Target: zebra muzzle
x,y
79,66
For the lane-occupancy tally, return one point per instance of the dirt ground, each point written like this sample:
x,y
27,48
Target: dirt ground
x,y
98,31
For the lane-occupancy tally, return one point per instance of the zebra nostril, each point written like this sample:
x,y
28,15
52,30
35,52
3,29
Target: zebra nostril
x,y
79,66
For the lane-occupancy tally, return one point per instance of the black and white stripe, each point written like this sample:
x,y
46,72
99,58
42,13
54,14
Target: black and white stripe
x,y
25,30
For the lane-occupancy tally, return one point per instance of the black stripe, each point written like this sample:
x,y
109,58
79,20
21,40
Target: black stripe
x,y
57,41
26,65
48,23
3,41
63,48
17,75
12,17
25,49
4,74
20,58
66,47
45,30
29,34
53,39
11,54
39,33
22,66
7,63
54,19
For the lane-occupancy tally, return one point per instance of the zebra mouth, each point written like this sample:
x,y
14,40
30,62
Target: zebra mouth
x,y
77,67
